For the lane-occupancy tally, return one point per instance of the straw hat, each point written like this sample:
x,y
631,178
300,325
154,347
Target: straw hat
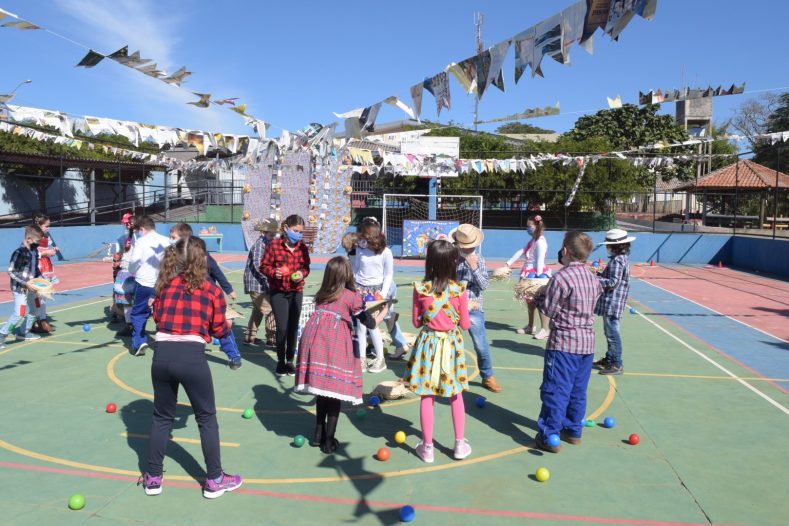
x,y
617,236
467,236
267,225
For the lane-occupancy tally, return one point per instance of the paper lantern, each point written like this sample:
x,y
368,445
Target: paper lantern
x,y
247,188
348,189
245,216
346,219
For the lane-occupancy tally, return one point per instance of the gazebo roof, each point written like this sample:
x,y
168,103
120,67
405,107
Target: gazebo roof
x,y
749,176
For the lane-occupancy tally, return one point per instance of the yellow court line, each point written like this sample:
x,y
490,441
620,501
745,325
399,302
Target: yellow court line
x,y
665,375
177,439
32,342
307,480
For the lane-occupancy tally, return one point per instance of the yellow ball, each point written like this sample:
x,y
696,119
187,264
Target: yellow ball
x,y
542,474
399,437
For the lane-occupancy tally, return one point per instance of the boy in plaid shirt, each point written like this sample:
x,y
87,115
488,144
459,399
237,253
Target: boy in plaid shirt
x,y
569,301
23,268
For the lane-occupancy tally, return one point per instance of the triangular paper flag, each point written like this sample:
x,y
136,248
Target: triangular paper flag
x,y
204,101
416,96
177,77
615,102
90,60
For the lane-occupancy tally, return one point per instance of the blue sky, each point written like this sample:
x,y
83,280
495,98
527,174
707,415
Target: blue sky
x,y
296,63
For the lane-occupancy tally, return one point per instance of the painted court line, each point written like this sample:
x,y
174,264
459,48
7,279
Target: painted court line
x,y
719,366
666,375
716,312
390,505
176,439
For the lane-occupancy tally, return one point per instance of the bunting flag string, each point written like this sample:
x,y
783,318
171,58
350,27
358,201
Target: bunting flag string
x,y
530,113
656,97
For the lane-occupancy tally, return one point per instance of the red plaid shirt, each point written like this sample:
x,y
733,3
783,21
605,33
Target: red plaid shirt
x,y
200,312
277,256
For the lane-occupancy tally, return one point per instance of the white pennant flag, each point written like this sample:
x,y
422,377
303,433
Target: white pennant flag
x,y
394,101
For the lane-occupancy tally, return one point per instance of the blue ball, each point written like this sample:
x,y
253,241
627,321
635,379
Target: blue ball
x,y
481,402
609,422
633,310
531,275
407,513
543,276
374,401
596,264
215,341
553,440
86,327
369,297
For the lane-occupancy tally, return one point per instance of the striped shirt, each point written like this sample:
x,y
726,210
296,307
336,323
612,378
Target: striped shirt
x,y
569,302
254,280
22,268
476,281
615,280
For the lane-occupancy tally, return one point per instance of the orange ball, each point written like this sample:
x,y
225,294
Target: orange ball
x,y
383,454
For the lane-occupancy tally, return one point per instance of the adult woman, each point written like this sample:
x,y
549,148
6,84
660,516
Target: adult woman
x,y
286,263
534,266
189,311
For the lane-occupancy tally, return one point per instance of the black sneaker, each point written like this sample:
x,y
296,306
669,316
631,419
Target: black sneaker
x,y
282,370
290,369
139,351
599,364
611,370
234,364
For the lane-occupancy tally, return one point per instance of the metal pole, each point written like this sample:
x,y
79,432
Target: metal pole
x,y
62,199
143,190
654,204
166,197
775,196
92,198
736,193
232,193
121,195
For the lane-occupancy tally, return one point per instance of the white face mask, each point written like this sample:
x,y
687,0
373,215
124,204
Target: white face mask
x,y
362,243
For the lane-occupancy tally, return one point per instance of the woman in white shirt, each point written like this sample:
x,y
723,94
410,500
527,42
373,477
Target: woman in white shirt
x,y
373,270
534,266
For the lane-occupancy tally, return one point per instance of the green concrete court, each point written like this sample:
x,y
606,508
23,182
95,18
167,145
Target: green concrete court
x,y
712,449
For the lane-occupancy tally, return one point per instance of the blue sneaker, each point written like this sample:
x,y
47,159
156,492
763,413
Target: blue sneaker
x,y
213,489
151,483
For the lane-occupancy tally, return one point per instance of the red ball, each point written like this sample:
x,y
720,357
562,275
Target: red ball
x,y
383,454
634,439
111,408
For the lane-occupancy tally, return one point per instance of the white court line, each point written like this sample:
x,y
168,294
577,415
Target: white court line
x,y
69,290
719,366
713,310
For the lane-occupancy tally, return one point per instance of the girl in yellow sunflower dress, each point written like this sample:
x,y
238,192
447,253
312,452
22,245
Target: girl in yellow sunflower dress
x,y
437,366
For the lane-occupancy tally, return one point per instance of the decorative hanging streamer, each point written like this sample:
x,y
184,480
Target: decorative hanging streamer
x,y
394,101
524,54
132,61
659,96
596,17
572,28
621,13
177,77
416,96
581,169
222,102
21,24
241,109
438,86
615,102
548,39
530,113
204,102
497,54
482,63
90,60
465,73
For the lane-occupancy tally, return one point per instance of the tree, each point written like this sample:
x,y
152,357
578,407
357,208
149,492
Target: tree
x,y
752,117
776,155
521,128
629,127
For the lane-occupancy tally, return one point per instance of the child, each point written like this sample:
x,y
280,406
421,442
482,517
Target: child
x,y
569,301
124,285
471,269
437,366
215,276
328,366
534,254
23,268
286,263
256,285
144,264
46,271
615,280
373,270
188,311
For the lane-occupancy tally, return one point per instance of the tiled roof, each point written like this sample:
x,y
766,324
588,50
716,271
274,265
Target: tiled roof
x,y
749,175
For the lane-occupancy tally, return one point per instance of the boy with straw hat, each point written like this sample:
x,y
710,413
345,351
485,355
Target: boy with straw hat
x,y
256,285
471,269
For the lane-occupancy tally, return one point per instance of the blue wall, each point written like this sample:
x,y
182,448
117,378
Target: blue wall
x,y
748,253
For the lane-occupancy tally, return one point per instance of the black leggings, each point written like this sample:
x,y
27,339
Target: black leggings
x,y
175,364
327,412
286,307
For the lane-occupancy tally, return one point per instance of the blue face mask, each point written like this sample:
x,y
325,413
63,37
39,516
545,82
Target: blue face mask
x,y
294,237
530,229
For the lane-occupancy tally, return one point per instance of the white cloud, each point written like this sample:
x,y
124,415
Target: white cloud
x,y
137,23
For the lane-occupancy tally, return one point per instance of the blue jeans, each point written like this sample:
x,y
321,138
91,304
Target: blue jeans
x,y
397,335
140,314
228,346
479,337
565,377
611,328
24,309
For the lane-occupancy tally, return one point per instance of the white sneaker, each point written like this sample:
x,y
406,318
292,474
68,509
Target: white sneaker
x,y
425,452
378,365
27,337
462,449
529,329
541,335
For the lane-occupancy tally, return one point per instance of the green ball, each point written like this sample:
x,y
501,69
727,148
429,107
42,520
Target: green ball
x,y
76,502
361,414
298,440
248,413
590,423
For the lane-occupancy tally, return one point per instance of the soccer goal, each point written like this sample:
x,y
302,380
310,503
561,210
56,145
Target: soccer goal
x,y
409,224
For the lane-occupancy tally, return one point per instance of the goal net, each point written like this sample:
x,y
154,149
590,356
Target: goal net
x,y
410,221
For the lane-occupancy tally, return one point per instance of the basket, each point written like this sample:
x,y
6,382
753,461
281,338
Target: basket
x,y
42,287
501,274
527,288
307,308
391,390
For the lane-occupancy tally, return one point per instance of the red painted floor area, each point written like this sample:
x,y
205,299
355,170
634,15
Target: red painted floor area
x,y
72,276
760,302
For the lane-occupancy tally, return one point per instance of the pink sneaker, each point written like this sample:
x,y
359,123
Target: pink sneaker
x,y
213,490
462,449
425,452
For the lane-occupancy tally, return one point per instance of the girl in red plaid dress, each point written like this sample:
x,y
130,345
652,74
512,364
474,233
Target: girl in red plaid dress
x,y
328,364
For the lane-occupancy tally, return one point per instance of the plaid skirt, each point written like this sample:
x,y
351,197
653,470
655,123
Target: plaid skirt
x,y
327,364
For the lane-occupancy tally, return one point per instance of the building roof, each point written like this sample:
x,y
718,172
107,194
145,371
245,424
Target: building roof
x,y
70,162
745,175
